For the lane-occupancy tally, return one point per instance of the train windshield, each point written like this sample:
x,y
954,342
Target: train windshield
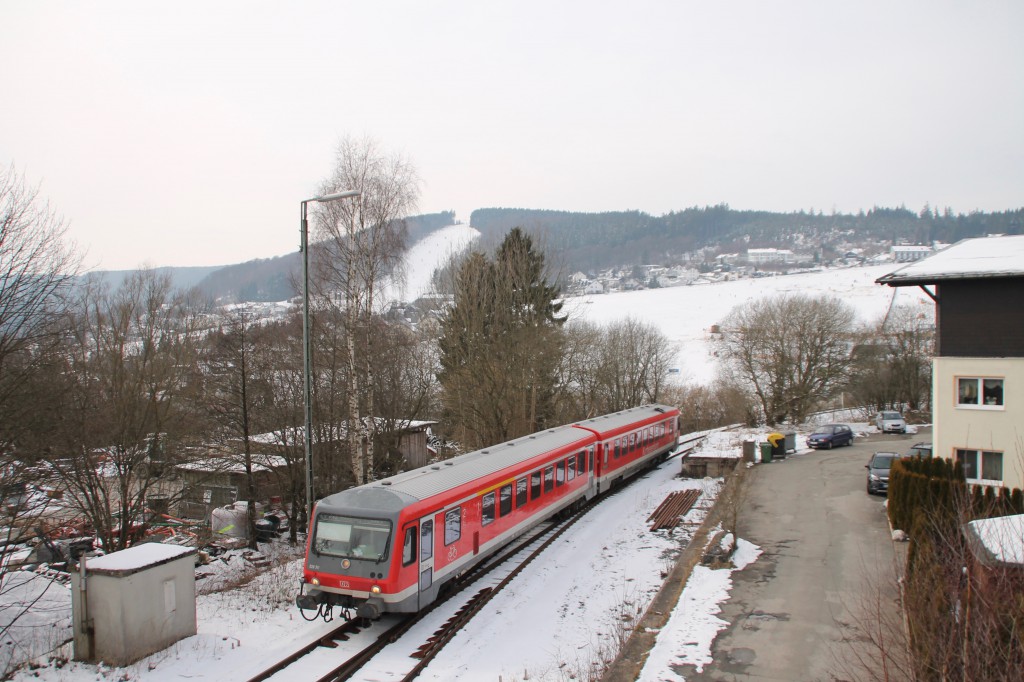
x,y
352,538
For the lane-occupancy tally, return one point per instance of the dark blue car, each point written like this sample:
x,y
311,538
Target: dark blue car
x,y
830,436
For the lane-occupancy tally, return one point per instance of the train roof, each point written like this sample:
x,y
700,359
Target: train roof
x,y
610,423
433,479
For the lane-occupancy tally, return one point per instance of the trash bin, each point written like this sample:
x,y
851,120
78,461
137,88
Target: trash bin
x,y
749,450
766,452
778,443
790,441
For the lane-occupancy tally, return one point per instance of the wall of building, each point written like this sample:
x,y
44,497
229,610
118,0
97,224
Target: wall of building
x,y
990,428
981,318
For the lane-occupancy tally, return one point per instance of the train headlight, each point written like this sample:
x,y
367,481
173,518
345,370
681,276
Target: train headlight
x,y
315,581
375,589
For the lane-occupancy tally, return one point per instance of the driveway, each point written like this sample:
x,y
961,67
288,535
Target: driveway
x,y
801,610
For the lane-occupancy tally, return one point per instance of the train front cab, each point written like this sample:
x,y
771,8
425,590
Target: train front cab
x,y
353,561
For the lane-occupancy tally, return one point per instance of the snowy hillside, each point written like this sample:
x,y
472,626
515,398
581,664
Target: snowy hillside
x,y
685,314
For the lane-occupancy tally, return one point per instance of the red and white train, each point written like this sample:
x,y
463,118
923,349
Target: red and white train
x,y
391,545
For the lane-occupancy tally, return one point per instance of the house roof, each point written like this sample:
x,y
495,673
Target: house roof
x,y
980,258
997,541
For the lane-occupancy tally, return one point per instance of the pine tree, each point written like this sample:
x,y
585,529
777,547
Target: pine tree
x,y
500,344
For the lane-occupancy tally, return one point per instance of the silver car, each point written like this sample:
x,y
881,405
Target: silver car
x,y
890,422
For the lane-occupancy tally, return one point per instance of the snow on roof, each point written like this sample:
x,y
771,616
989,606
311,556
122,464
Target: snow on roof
x,y
296,434
136,558
967,259
235,465
1000,539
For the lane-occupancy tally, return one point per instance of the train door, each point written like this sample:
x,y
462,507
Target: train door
x,y
426,559
588,464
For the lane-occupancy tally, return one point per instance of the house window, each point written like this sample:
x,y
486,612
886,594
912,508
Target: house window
x,y
981,465
979,392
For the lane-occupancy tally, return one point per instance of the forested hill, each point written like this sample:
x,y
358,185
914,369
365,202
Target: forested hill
x,y
273,279
599,240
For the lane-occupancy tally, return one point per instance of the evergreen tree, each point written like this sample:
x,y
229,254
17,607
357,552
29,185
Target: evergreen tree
x,y
500,344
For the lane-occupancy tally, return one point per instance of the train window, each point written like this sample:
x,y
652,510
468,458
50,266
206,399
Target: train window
x,y
452,525
409,546
570,466
591,468
426,540
560,472
350,537
520,493
581,463
616,448
505,499
549,479
534,485
487,509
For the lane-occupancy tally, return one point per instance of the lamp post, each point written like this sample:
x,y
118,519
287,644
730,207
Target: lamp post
x,y
307,354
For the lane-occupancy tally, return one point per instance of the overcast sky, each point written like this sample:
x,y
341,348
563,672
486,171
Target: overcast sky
x,y
187,133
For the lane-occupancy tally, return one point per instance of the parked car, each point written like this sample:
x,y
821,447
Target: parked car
x,y
919,450
830,436
878,471
890,422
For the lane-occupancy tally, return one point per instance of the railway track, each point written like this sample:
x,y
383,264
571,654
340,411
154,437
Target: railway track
x,y
417,637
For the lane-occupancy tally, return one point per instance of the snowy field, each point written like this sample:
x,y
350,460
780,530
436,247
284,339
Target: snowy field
x,y
562,616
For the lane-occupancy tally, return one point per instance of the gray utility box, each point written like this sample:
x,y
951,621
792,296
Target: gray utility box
x,y
132,603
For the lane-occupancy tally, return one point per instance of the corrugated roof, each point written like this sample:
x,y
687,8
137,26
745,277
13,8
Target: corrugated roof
x,y
436,478
980,258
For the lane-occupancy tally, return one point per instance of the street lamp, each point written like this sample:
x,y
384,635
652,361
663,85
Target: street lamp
x,y
307,354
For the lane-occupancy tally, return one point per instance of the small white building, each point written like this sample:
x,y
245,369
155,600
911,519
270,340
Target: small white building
x,y
759,256
909,254
133,603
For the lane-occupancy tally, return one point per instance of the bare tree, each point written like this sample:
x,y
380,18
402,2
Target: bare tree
x,y
606,369
37,267
121,409
283,414
365,240
633,364
580,393
792,351
892,364
240,392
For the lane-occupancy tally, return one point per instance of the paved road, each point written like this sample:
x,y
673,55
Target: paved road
x,y
795,611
